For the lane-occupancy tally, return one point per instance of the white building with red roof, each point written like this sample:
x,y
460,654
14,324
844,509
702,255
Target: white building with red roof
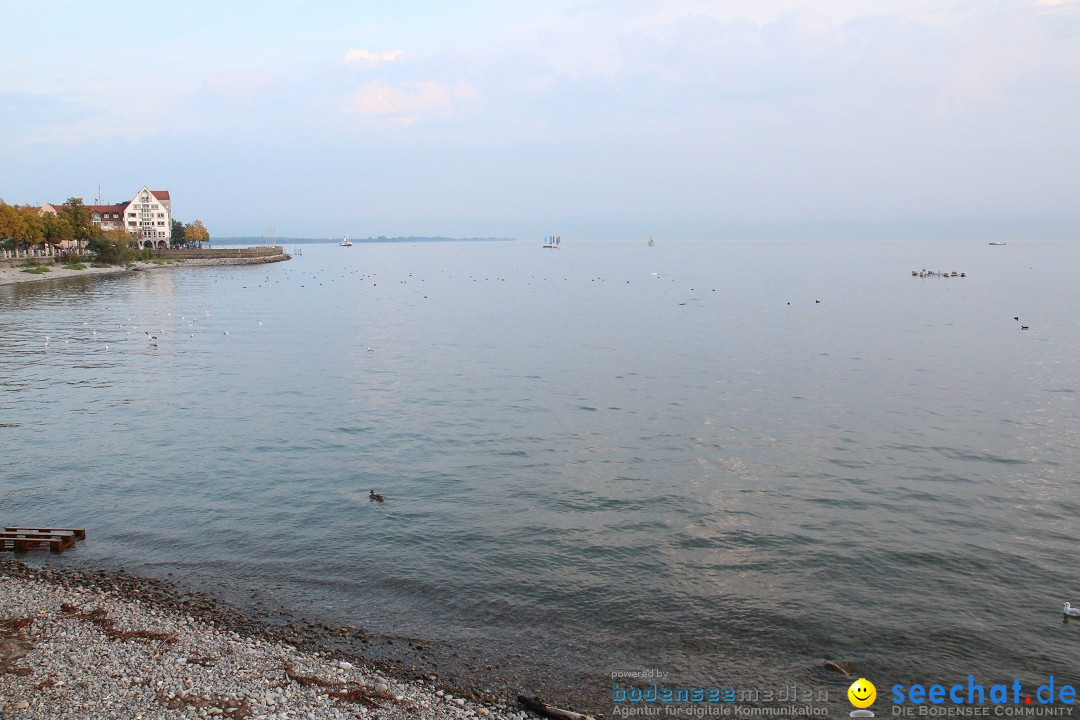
x,y
148,217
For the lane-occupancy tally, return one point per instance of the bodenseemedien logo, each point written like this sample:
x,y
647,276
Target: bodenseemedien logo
x,y
862,694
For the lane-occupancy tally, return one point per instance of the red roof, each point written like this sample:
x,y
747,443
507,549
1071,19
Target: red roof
x,y
107,208
161,194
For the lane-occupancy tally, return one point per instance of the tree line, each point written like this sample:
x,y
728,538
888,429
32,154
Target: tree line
x,y
25,226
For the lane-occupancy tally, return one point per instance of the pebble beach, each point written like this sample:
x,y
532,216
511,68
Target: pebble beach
x,y
18,275
94,646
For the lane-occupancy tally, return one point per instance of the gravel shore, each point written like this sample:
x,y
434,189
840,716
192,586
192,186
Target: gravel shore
x,y
98,645
14,275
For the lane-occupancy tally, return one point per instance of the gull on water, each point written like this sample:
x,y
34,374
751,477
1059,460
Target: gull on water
x,y
1071,611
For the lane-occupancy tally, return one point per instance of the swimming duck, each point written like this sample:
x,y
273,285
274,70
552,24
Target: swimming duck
x,y
376,497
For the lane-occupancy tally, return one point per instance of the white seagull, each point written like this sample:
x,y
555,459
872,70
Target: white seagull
x,y
1070,610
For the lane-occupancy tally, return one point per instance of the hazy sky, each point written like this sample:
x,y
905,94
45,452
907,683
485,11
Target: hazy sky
x,y
605,119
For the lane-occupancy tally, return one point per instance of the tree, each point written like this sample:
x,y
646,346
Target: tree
x,y
10,224
58,229
79,216
33,225
113,246
196,232
177,232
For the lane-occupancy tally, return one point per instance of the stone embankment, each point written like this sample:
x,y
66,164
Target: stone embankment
x,y
226,256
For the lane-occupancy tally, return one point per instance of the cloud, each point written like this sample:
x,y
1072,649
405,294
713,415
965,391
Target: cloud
x,y
1060,7
405,104
366,58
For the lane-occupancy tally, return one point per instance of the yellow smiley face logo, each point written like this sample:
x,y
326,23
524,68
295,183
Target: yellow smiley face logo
x,y
862,693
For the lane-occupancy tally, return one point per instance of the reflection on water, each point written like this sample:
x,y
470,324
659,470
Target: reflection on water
x,y
726,461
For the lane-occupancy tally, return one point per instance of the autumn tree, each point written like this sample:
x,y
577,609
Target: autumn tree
x,y
33,225
196,232
11,224
57,229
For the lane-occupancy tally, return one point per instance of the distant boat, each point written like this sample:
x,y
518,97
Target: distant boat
x,y
345,242
553,241
997,243
651,241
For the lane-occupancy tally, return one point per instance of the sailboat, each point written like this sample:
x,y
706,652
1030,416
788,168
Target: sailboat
x,y
345,242
552,241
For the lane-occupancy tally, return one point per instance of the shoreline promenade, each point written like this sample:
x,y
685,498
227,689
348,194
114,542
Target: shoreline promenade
x,y
162,259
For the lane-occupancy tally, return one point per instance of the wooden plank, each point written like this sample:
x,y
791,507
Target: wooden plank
x,y
54,544
38,533
66,540
80,533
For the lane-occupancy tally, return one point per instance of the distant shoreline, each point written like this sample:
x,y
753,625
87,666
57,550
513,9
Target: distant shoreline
x,y
18,275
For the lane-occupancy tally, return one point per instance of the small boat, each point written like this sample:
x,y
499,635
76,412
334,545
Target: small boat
x,y
345,242
552,241
997,243
651,241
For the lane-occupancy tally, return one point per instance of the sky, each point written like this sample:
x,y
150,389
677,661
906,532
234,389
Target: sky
x,y
603,119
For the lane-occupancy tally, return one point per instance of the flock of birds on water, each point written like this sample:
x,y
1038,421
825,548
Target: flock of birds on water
x,y
322,276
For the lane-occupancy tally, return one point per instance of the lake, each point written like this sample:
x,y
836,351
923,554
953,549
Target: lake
x,y
726,461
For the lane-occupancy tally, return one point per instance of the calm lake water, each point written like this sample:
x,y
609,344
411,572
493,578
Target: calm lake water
x,y
725,461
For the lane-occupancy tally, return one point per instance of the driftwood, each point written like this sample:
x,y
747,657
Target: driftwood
x,y
838,667
539,706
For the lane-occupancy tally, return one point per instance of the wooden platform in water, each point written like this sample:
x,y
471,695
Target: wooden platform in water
x,y
21,539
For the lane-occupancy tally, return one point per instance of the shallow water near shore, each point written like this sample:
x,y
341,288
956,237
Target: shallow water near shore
x,y
723,461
